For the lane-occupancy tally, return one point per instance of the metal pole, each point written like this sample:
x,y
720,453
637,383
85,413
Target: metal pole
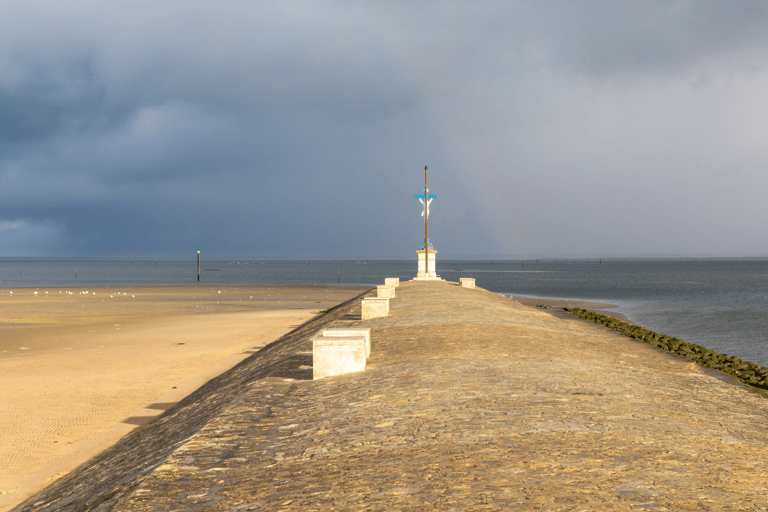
x,y
426,225
198,264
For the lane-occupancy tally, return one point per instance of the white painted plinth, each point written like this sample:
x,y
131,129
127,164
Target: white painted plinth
x,y
467,282
374,307
337,355
385,291
426,269
392,281
351,331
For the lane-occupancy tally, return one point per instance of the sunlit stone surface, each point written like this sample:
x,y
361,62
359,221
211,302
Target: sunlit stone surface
x,y
374,307
337,355
385,292
352,331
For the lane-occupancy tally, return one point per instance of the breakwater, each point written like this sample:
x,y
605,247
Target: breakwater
x,y
469,400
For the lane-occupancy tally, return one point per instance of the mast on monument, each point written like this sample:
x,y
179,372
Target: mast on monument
x,y
427,258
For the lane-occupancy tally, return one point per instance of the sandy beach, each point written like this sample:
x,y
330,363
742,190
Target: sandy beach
x,y
80,368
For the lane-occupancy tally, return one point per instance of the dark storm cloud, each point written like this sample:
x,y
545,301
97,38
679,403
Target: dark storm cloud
x,y
604,38
602,127
301,128
214,124
27,118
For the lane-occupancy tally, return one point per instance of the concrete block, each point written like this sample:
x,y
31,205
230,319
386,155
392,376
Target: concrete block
x,y
351,331
374,307
337,355
385,291
467,282
426,266
392,281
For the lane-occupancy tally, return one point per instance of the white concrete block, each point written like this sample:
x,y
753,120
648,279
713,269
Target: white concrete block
x,y
385,291
374,307
351,331
337,355
467,282
426,266
392,281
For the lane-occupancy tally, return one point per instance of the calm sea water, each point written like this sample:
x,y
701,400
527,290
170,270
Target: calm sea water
x,y
718,303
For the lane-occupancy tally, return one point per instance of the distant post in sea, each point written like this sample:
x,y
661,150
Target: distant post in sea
x,y
198,264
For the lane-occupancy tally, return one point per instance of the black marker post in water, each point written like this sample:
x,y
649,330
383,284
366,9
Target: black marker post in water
x,y
198,264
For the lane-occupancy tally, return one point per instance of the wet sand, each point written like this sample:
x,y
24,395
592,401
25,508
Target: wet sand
x,y
80,370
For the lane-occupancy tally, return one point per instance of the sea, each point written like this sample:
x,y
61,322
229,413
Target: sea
x,y
719,303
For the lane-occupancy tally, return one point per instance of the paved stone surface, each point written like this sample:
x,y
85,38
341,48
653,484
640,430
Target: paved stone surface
x,y
470,401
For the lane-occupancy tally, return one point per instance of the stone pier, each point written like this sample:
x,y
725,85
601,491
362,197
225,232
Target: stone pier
x,y
469,401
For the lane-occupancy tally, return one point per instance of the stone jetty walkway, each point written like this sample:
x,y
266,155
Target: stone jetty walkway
x,y
470,401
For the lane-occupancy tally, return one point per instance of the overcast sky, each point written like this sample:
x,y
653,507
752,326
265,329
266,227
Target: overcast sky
x,y
301,129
